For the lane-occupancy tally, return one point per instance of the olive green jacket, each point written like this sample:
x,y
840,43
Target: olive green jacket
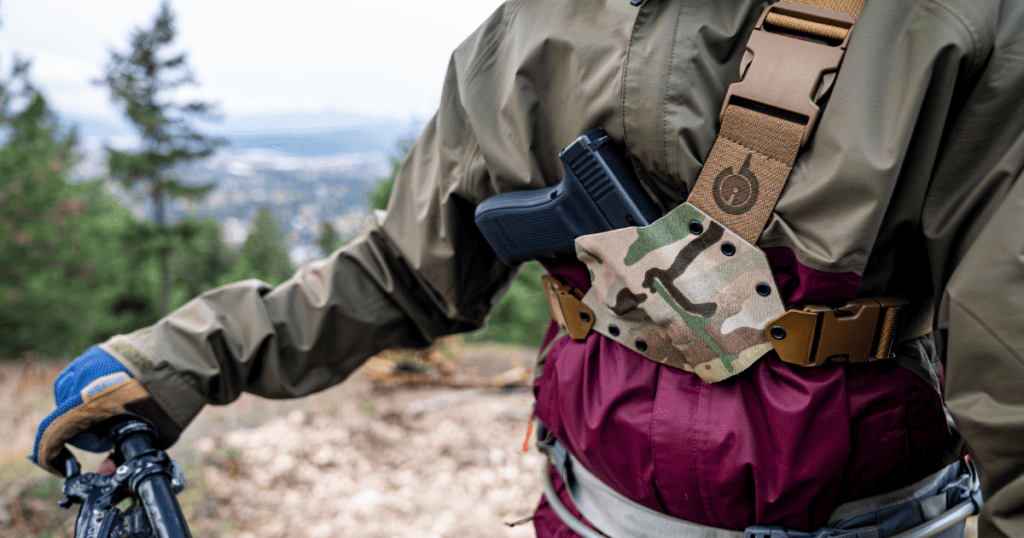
x,y
911,180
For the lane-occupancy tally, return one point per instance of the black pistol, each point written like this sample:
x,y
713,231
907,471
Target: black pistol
x,y
598,193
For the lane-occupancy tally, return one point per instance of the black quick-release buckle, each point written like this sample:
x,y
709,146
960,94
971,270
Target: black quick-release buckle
x,y
783,70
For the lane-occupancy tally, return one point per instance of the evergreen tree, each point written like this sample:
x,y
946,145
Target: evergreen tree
x,y
377,196
61,258
199,260
329,239
264,254
521,316
142,81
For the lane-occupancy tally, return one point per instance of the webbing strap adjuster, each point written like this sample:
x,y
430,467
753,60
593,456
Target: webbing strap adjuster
x,y
788,72
862,330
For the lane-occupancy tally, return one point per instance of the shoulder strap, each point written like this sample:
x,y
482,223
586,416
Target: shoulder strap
x,y
790,63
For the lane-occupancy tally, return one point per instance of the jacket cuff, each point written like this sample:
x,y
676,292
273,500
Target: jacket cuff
x,y
175,402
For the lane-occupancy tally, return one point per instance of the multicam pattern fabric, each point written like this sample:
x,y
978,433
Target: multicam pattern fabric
x,y
684,291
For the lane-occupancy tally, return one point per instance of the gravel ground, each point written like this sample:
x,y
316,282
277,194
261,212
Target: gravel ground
x,y
456,471
371,458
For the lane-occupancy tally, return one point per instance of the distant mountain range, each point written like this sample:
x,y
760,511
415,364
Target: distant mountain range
x,y
306,134
381,139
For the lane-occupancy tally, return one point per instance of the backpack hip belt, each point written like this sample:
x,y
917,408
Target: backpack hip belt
x,y
935,506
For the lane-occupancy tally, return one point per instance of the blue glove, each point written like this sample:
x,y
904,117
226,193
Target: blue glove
x,y
93,388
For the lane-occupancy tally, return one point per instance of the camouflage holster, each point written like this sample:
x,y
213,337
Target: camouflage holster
x,y
685,291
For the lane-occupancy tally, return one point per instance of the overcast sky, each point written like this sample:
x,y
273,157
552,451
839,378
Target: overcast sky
x,y
255,56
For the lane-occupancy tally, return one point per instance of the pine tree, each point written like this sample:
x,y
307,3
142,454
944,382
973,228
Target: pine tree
x,y
62,261
31,188
329,239
264,254
141,81
378,195
198,260
521,316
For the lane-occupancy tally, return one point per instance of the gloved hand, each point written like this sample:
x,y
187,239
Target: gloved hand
x,y
93,388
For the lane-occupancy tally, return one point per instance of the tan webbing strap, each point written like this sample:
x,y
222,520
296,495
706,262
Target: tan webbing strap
x,y
805,26
850,8
808,25
769,115
747,168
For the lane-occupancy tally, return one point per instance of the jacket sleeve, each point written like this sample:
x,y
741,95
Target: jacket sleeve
x,y
973,218
420,272
983,316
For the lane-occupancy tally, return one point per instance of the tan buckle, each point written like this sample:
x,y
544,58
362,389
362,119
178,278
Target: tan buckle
x,y
789,73
567,309
862,330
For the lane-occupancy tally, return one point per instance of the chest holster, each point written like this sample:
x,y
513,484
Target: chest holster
x,y
691,290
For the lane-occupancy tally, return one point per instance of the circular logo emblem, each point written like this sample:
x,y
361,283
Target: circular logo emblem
x,y
736,192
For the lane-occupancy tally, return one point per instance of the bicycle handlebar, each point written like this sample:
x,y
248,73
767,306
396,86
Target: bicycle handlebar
x,y
148,477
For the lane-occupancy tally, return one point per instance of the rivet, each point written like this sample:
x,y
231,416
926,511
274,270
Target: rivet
x,y
778,333
728,248
584,316
696,228
641,344
613,330
763,289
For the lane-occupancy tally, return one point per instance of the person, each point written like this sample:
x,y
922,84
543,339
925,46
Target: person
x,y
909,184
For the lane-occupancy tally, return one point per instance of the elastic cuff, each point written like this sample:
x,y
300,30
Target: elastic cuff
x,y
174,394
174,402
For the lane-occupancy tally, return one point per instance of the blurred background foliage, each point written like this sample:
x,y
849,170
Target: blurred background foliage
x,y
76,266
522,315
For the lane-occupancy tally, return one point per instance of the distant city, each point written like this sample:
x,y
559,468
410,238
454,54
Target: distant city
x,y
307,169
